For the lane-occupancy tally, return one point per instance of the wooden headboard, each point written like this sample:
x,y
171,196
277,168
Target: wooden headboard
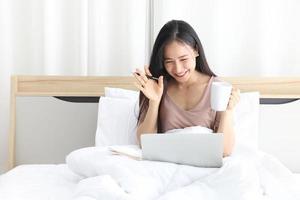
x,y
93,86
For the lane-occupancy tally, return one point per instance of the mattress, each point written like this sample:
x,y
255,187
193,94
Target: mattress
x,y
37,182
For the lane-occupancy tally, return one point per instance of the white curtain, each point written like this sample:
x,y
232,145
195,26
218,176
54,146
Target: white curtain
x,y
68,37
241,37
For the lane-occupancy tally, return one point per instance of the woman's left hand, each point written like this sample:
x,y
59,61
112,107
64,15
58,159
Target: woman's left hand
x,y
234,99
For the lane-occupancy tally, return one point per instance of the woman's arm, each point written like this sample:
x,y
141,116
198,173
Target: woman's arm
x,y
149,124
152,90
225,125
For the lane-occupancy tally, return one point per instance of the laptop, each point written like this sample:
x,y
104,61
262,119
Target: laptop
x,y
196,149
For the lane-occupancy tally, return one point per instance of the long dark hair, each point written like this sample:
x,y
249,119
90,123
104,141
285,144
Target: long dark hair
x,y
173,30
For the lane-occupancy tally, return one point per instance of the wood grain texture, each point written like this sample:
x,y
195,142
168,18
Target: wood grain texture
x,y
70,86
269,87
12,123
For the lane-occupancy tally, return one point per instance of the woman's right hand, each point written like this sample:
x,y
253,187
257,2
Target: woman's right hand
x,y
152,89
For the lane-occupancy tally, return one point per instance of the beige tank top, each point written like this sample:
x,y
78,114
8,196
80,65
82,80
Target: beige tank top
x,y
173,117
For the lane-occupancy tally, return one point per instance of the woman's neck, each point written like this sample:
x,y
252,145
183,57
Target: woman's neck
x,y
196,78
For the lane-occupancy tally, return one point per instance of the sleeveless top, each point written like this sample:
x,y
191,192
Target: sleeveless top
x,y
171,116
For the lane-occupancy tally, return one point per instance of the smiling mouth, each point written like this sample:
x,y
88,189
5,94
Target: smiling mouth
x,y
182,74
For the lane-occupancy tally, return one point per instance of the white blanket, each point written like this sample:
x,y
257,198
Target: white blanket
x,y
246,175
38,182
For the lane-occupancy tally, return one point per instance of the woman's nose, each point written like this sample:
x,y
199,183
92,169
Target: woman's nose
x,y
178,66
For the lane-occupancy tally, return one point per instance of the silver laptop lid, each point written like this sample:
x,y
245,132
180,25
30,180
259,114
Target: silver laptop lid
x,y
202,150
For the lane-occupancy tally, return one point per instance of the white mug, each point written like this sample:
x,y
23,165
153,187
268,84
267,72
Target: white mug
x,y
219,96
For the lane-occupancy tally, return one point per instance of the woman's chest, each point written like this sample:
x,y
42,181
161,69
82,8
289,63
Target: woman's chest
x,y
187,99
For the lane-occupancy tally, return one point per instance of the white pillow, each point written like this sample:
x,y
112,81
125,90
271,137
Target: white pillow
x,y
245,116
246,120
121,93
116,122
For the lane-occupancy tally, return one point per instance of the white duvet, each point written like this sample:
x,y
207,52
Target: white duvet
x,y
96,173
38,182
246,175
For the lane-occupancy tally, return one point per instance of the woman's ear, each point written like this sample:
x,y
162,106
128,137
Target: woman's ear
x,y
196,54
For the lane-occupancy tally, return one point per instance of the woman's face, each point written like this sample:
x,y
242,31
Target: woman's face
x,y
180,60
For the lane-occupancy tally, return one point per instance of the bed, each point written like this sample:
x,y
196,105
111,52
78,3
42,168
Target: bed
x,y
37,167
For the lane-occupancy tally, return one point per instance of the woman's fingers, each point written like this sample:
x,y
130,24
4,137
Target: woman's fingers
x,y
236,94
139,78
139,87
146,84
161,81
233,101
234,98
142,75
146,67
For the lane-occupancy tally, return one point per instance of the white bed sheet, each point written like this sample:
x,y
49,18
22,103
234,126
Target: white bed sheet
x,y
38,182
297,177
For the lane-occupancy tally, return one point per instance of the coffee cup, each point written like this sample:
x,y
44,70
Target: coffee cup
x,y
219,96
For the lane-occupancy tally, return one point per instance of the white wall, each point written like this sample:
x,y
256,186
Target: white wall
x,y
6,55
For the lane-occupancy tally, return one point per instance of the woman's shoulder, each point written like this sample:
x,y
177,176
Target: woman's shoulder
x,y
210,79
217,79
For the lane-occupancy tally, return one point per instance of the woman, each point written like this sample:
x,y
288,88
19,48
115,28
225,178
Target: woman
x,y
181,95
